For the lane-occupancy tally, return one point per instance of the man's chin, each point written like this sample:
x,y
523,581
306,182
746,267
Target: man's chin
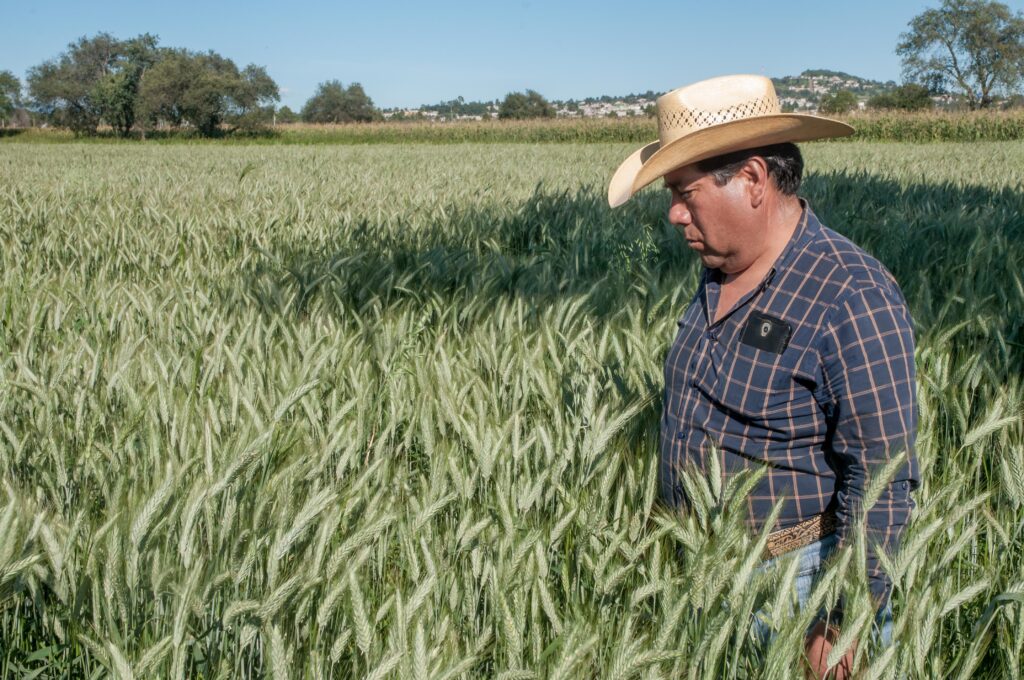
x,y
711,261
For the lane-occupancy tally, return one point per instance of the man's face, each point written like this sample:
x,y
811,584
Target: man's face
x,y
715,220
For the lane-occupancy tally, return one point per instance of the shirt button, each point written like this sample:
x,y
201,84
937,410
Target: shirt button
x,y
712,335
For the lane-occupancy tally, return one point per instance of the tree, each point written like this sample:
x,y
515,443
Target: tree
x,y
519,105
103,79
286,115
187,89
205,90
64,87
910,97
96,79
974,46
334,103
252,102
10,95
116,94
838,102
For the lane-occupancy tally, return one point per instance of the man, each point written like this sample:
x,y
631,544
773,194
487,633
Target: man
x,y
797,351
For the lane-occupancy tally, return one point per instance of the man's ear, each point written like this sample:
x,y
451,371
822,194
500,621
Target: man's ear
x,y
755,173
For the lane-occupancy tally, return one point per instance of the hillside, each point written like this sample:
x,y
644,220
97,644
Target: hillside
x,y
806,90
801,92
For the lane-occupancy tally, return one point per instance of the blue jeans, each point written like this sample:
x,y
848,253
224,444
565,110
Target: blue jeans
x,y
812,558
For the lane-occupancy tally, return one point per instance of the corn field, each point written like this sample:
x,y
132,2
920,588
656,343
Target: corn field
x,y
391,412
884,126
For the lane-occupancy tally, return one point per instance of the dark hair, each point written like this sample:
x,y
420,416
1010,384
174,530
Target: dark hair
x,y
785,165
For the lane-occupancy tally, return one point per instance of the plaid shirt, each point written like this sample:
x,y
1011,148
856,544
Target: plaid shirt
x,y
824,413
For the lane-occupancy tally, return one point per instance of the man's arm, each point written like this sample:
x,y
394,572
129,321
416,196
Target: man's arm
x,y
869,389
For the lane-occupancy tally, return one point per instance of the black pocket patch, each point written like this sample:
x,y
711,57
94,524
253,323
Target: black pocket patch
x,y
767,333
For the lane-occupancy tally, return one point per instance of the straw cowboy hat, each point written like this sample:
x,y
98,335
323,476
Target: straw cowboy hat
x,y
714,117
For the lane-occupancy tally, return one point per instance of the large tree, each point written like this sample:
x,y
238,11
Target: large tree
x,y
975,47
334,103
96,79
205,90
525,105
10,95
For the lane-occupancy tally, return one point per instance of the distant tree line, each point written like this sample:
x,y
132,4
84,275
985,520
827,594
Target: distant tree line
x,y
909,97
138,85
515,106
458,107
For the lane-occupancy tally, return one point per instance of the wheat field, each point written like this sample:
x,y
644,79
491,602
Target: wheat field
x,y
391,412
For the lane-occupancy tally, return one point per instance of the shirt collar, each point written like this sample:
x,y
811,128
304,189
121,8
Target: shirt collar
x,y
806,230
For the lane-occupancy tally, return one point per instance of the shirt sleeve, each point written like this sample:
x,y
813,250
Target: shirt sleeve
x,y
869,396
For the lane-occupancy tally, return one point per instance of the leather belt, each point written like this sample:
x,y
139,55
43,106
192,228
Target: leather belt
x,y
799,535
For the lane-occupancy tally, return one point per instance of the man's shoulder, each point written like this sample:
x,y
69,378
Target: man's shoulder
x,y
852,268
864,293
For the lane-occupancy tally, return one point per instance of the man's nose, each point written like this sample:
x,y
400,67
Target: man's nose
x,y
678,212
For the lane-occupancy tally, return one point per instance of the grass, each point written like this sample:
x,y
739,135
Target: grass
x,y
391,411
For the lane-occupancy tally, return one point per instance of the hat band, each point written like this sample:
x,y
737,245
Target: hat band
x,y
677,122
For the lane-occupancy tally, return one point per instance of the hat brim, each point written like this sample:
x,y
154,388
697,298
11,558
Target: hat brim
x,y
652,161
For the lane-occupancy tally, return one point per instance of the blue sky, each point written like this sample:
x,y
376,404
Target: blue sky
x,y
411,53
